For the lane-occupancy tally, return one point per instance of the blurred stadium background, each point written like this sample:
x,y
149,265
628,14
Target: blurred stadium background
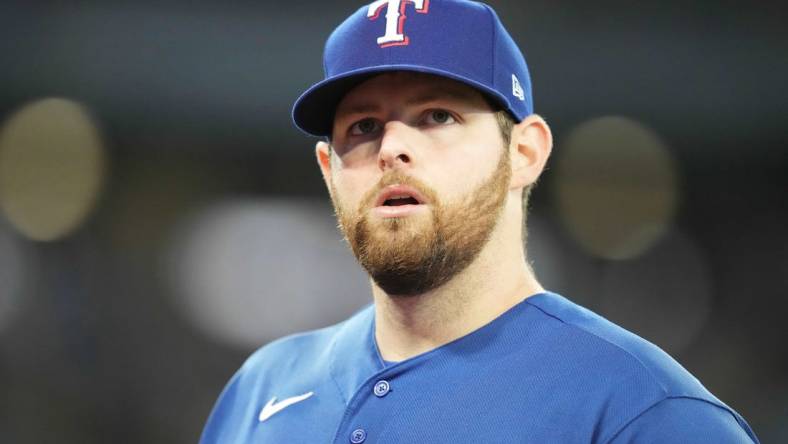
x,y
160,217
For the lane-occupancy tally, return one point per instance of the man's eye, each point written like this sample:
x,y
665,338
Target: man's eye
x,y
439,117
363,127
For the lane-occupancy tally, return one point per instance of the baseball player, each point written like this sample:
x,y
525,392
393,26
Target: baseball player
x,y
430,148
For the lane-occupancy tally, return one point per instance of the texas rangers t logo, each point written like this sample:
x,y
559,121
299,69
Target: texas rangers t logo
x,y
395,19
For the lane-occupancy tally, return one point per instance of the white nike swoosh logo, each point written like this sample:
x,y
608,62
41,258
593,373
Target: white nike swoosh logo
x,y
274,407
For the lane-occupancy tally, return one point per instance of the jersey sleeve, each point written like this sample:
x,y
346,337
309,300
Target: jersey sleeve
x,y
222,413
686,420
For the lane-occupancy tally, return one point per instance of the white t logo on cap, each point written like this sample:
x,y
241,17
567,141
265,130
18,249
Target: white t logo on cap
x,y
395,19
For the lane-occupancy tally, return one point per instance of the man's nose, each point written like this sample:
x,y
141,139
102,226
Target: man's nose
x,y
395,149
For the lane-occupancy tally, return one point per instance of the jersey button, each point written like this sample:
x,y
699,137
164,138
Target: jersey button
x,y
358,436
382,388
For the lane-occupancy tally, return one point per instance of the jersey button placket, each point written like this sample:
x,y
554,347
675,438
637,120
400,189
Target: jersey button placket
x,y
358,436
382,388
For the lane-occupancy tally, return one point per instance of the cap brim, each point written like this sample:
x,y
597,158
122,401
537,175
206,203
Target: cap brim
x,y
313,111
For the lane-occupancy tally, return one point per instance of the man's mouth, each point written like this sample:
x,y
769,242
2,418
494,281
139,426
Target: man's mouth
x,y
399,195
399,201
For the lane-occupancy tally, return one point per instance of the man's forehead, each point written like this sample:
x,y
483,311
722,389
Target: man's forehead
x,y
413,86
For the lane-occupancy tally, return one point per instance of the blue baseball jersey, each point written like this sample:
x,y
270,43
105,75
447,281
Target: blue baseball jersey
x,y
545,371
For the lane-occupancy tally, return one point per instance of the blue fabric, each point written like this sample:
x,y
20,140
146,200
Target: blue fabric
x,y
684,420
546,371
461,40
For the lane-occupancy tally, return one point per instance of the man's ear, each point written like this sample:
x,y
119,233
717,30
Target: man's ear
x,y
532,142
323,153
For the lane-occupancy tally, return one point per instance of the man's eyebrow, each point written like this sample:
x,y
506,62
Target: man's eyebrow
x,y
360,108
437,94
432,95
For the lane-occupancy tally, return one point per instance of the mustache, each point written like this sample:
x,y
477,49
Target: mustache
x,y
396,178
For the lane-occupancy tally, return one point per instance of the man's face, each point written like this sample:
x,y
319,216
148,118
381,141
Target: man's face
x,y
419,175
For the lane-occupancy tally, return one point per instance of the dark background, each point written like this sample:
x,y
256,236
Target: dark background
x,y
211,234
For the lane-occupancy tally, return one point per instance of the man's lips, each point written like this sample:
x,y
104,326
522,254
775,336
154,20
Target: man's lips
x,y
399,195
399,201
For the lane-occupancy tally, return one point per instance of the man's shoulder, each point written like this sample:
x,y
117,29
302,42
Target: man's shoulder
x,y
602,343
310,349
639,383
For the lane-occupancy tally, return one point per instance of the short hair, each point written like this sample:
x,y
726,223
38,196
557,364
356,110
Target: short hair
x,y
506,124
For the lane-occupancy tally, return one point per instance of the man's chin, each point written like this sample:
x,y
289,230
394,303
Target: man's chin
x,y
398,238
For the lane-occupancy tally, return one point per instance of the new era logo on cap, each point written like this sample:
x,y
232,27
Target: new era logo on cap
x,y
395,19
517,89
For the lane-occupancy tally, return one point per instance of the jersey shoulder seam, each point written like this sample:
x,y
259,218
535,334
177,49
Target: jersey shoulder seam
x,y
605,340
667,398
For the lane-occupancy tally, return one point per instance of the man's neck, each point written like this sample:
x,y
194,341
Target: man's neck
x,y
496,281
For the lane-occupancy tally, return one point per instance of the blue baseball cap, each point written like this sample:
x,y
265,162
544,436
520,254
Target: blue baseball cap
x,y
459,40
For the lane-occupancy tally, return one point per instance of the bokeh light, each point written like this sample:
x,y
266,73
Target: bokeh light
x,y
51,168
248,271
617,187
